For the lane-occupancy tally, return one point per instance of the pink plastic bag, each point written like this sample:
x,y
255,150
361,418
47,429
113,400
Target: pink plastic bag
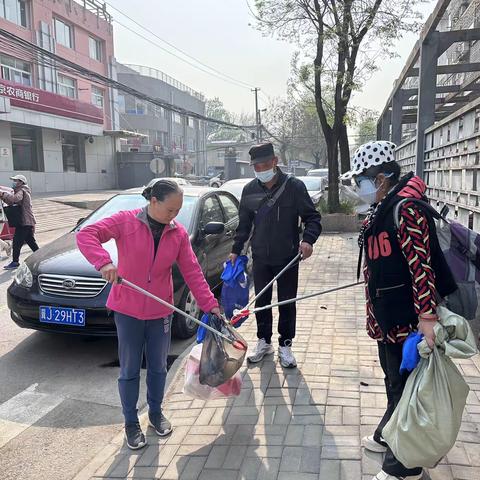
x,y
193,387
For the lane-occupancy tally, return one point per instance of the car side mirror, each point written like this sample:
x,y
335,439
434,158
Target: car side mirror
x,y
213,228
80,220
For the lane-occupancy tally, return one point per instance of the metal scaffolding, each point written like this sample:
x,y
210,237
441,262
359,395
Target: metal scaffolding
x,y
440,77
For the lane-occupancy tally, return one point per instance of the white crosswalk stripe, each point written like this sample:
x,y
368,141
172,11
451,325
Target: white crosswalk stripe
x,y
23,410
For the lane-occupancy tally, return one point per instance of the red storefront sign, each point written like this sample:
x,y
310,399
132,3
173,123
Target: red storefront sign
x,y
47,102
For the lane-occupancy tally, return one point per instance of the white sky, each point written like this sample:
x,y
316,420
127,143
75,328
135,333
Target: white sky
x,y
217,32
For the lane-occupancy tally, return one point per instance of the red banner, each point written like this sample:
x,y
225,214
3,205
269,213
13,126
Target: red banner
x,y
47,102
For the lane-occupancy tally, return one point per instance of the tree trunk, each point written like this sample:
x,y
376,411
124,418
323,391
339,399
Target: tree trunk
x,y
283,153
316,156
333,173
344,149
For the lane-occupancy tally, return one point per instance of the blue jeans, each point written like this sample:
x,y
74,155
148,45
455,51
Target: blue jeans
x,y
135,336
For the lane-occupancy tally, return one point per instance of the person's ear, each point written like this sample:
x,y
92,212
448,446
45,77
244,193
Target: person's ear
x,y
380,180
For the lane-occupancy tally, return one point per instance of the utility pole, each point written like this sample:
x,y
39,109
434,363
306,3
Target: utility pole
x,y
257,113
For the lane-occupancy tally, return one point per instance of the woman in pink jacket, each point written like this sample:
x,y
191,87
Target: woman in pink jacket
x,y
149,242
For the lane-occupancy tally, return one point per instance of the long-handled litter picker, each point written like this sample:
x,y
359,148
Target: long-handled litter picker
x,y
235,343
241,314
276,277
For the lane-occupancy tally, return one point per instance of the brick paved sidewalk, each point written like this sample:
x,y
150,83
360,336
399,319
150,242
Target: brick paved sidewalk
x,y
301,424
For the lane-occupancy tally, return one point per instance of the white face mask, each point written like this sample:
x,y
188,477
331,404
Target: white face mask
x,y
266,176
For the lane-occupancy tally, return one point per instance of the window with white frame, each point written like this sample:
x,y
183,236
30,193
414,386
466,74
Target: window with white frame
x,y
66,86
97,96
15,70
63,33
191,122
177,118
95,48
15,11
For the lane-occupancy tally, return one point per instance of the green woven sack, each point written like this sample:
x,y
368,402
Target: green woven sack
x,y
426,422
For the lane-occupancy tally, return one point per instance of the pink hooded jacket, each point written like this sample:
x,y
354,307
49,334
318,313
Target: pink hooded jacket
x,y
137,263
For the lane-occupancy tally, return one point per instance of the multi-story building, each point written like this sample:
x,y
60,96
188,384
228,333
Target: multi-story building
x,y
53,121
180,137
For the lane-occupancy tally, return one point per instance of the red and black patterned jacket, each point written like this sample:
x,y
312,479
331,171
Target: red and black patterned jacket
x,y
399,269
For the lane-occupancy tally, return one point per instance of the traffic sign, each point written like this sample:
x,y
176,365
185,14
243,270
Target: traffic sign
x,y
157,165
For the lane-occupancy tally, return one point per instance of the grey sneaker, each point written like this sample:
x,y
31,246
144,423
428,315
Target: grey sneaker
x,y
371,444
261,349
285,355
161,425
134,436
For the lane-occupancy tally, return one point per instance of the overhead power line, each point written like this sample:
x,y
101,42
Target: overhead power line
x,y
46,56
212,71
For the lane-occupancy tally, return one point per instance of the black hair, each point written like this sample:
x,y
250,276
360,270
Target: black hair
x,y
160,189
388,168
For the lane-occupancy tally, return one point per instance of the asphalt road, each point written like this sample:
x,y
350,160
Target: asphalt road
x,y
58,393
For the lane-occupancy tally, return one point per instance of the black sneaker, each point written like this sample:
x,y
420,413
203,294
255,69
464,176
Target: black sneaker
x,y
161,425
134,435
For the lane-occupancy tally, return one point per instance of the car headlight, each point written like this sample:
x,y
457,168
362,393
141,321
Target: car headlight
x,y
23,276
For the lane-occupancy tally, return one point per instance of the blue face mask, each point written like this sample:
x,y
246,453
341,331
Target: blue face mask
x,y
266,176
367,189
14,185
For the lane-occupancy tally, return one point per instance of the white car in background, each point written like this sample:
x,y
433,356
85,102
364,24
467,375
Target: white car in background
x,y
315,187
235,187
318,172
217,181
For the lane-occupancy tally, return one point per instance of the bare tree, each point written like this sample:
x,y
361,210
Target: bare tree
x,y
294,126
366,123
341,42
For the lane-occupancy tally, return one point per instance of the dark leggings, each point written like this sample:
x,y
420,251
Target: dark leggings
x,y
390,356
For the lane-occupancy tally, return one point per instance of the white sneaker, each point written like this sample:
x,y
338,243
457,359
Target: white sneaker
x,y
285,355
385,476
371,444
261,349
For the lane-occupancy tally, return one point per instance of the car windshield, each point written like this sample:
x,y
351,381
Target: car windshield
x,y
313,184
134,201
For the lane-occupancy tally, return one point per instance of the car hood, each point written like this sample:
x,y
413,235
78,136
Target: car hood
x,y
62,257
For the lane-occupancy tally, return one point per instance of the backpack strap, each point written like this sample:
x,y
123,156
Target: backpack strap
x,y
425,206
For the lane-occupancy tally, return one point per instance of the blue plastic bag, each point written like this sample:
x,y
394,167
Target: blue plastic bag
x,y
235,290
410,355
201,331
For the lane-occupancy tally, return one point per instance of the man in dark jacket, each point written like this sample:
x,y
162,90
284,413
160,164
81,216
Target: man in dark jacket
x,y
272,204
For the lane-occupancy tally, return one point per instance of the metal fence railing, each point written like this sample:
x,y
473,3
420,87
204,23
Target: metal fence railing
x,y
451,163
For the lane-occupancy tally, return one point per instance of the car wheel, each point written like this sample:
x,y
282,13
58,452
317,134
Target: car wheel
x,y
183,327
215,185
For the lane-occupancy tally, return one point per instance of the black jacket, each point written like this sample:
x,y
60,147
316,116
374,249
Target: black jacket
x,y
276,235
390,281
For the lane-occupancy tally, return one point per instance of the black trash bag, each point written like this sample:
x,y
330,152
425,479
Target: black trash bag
x,y
221,359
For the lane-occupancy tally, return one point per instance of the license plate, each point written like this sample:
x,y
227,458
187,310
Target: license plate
x,y
63,316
